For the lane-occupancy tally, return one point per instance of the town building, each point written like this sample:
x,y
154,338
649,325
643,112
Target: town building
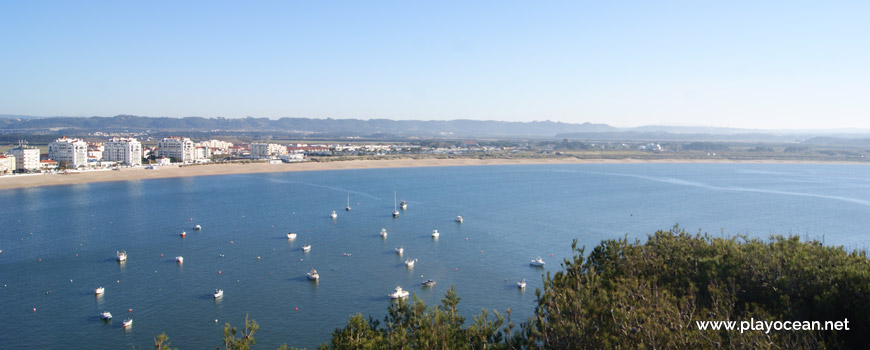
x,y
7,164
26,159
266,150
178,148
124,150
69,153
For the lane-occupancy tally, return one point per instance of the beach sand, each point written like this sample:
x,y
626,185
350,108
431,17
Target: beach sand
x,y
127,174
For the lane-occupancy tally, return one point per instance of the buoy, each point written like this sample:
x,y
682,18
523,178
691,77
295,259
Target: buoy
x,y
220,272
161,254
34,309
77,254
455,269
70,281
297,309
40,259
231,242
215,320
481,251
129,310
551,254
258,258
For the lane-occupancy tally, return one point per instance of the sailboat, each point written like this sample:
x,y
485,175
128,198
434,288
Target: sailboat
x,y
347,208
395,212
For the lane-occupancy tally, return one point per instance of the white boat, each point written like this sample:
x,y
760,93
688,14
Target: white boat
x,y
183,233
403,205
100,290
127,323
459,219
313,275
333,215
106,315
400,250
291,235
197,227
435,234
399,293
395,212
410,263
121,255
347,208
218,293
306,247
179,259
383,233
521,284
537,262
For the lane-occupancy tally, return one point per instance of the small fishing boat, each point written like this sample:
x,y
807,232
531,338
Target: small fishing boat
x,y
537,262
521,284
179,259
403,205
400,250
333,215
197,227
121,255
291,235
218,293
435,234
427,283
183,234
100,290
306,248
410,263
313,275
399,293
459,219
127,323
383,233
106,315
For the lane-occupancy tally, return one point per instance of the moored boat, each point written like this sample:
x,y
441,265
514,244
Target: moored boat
x,y
459,219
410,263
399,293
127,323
521,284
435,234
333,215
537,262
400,250
100,290
383,233
291,235
121,255
313,275
179,259
197,227
106,315
306,248
218,293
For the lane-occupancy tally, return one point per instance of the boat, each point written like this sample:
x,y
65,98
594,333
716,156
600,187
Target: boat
x,y
403,205
435,234
395,212
291,235
333,215
127,323
218,293
399,293
347,208
197,227
383,233
100,290
121,255
313,275
521,284
400,250
306,247
410,263
183,234
106,315
459,219
427,283
537,262
179,259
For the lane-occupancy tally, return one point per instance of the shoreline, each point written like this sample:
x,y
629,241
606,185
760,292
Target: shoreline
x,y
132,174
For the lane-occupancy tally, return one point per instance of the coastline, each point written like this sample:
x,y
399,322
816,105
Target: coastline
x,y
130,174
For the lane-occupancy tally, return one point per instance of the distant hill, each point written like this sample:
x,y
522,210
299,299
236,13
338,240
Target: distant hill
x,y
358,127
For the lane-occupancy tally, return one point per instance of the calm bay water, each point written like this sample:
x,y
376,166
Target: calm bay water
x,y
512,214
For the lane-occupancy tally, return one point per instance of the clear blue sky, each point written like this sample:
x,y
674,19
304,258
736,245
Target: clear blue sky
x,y
753,64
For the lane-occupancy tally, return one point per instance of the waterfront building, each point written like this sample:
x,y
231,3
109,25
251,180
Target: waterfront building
x,y
26,159
7,164
70,153
179,148
47,165
123,150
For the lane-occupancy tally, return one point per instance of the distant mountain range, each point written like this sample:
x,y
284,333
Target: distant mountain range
x,y
385,128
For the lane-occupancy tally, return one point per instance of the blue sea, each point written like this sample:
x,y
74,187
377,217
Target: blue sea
x,y
58,243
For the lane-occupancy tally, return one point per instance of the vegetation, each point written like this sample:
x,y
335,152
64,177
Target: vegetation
x,y
633,295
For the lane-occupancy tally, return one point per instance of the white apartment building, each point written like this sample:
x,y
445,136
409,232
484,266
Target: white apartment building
x,y
26,159
266,150
179,148
7,164
71,153
123,150
215,144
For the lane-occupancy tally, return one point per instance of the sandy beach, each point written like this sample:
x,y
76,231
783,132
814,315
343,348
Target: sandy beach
x,y
127,174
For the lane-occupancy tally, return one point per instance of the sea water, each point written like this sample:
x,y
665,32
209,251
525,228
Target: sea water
x,y
59,243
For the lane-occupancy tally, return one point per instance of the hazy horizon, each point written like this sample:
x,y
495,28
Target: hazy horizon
x,y
770,66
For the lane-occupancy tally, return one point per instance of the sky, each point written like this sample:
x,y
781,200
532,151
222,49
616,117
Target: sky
x,y
744,64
